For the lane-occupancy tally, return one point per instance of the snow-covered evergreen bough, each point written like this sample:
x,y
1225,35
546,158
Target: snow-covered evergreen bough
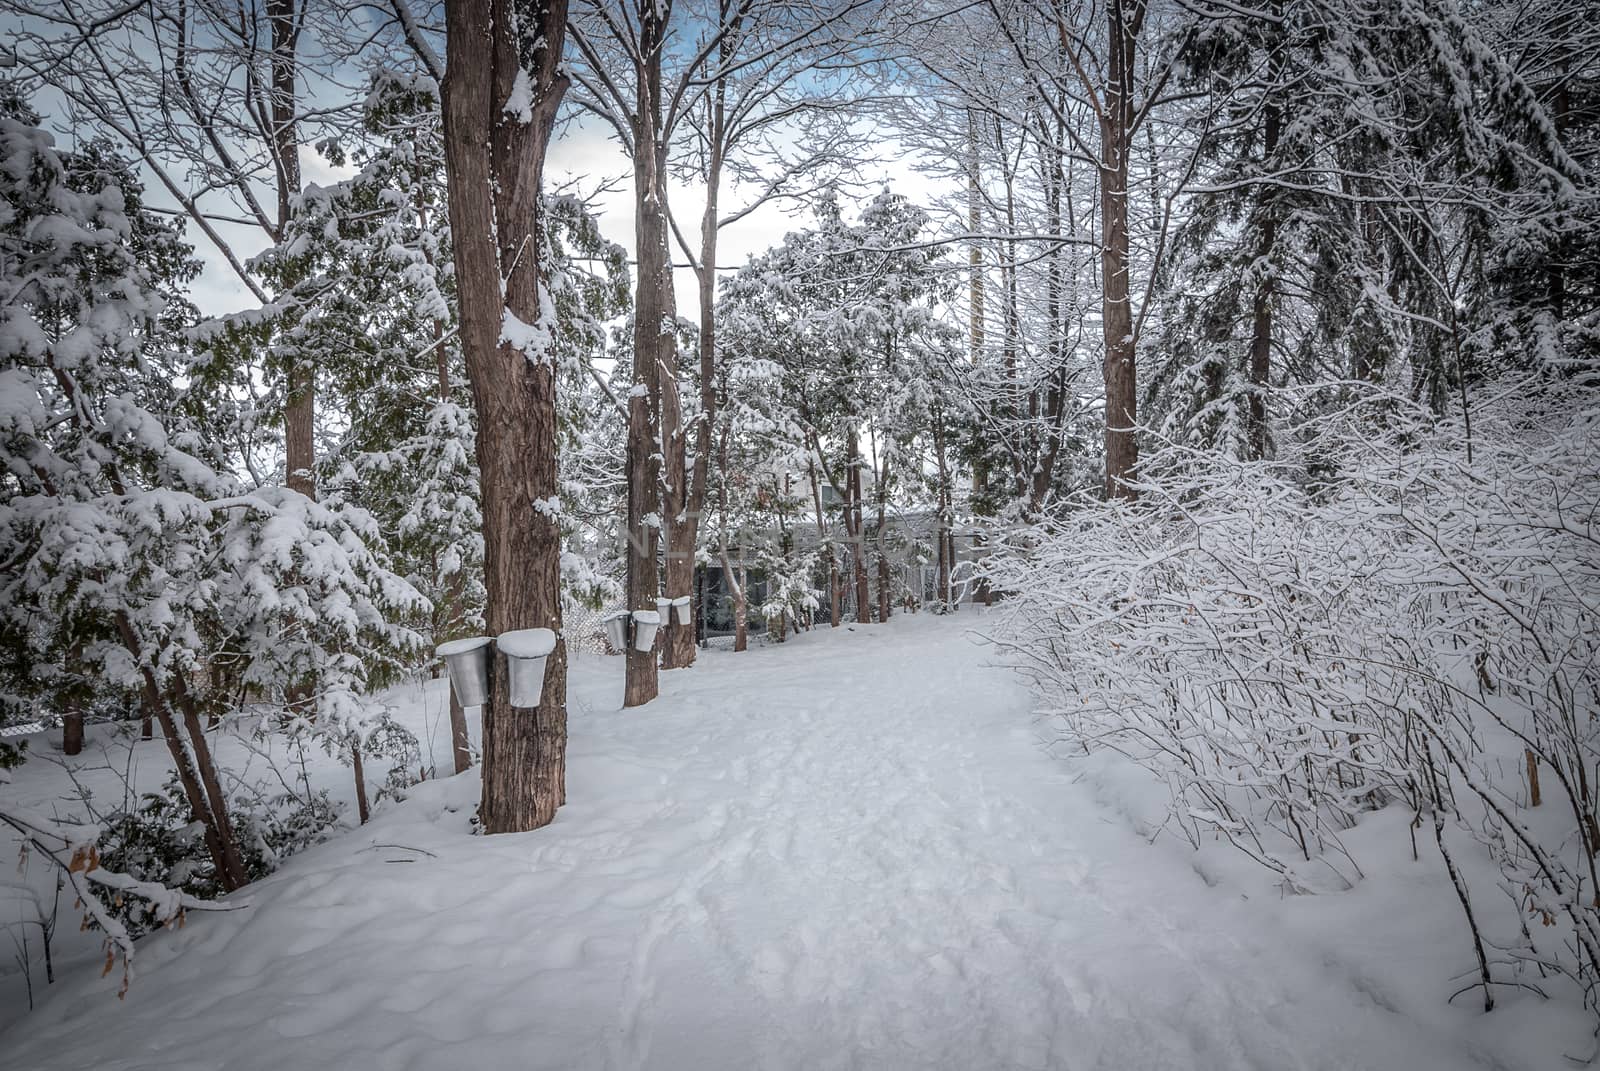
x,y
1370,621
135,569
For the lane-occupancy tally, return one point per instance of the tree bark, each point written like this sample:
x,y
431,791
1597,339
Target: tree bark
x,y
858,542
736,587
741,606
496,231
975,277
942,462
640,680
681,648
1261,312
822,536
1116,309
72,728
654,364
299,417
655,336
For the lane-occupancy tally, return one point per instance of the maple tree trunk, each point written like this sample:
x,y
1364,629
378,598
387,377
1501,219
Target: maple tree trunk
x,y
741,612
72,729
1116,309
679,515
943,534
884,593
677,641
858,543
640,680
496,231
300,386
300,405
975,250
822,536
1261,312
654,360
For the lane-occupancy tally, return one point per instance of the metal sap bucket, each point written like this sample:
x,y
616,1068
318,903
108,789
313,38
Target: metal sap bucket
x,y
681,609
617,630
468,662
645,623
526,651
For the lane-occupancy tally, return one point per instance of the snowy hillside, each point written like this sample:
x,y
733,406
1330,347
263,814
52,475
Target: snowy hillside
x,y
848,851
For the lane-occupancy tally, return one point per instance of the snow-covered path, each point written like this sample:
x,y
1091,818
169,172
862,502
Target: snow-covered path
x,y
853,856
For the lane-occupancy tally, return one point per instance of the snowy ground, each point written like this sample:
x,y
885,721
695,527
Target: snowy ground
x,y
849,851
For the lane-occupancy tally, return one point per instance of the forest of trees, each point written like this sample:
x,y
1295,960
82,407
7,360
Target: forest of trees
x,y
1244,356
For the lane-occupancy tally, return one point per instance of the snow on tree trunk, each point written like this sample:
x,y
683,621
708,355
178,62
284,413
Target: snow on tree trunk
x,y
506,312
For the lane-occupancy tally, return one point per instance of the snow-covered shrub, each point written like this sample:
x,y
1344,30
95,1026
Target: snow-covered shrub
x,y
789,590
105,895
154,840
1386,615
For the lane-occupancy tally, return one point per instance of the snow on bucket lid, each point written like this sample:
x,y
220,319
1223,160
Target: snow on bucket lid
x,y
681,600
462,646
527,642
647,617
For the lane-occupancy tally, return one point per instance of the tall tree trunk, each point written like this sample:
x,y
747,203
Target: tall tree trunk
x,y
1261,312
1116,309
682,523
299,416
881,493
858,542
680,518
654,363
736,587
72,715
681,649
822,537
300,386
974,250
943,534
496,230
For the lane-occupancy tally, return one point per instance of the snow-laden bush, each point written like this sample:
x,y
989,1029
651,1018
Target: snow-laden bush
x,y
1385,615
154,840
